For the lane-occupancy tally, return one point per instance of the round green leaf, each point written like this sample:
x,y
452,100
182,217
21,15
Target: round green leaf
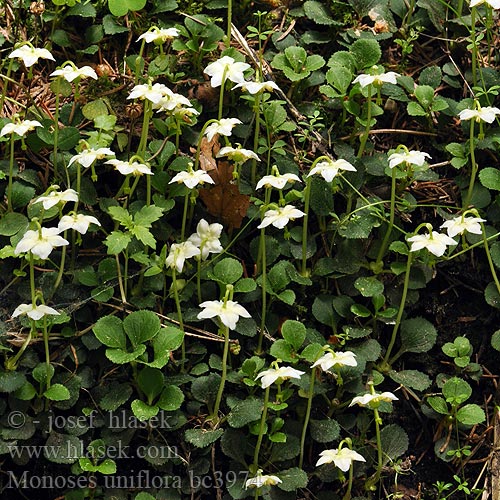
x,y
471,414
325,431
57,392
143,411
490,178
456,391
369,286
228,271
171,398
417,335
141,326
294,332
202,437
109,331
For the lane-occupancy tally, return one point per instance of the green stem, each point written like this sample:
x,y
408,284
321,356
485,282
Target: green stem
x,y
386,362
215,413
179,315
385,241
307,416
490,260
473,45
365,135
264,290
256,136
11,174
473,164
47,351
229,20
5,86
184,215
380,463
120,280
61,265
146,117
307,198
261,430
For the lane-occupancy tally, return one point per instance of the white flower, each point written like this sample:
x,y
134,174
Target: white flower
x,y
277,181
206,238
55,197
373,400
262,480
365,80
229,312
280,217
135,168
342,458
89,156
339,359
238,155
34,312
40,242
256,87
160,35
170,101
486,114
192,178
20,128
226,68
272,374
413,157
460,224
78,222
329,169
179,252
153,93
224,126
494,4
70,72
435,242
30,55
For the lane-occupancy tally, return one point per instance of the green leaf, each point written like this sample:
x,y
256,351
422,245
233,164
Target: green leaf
x,y
117,241
292,479
414,109
116,395
491,295
141,326
369,286
68,138
107,466
417,335
325,431
245,285
490,178
171,398
40,373
62,449
495,340
424,95
11,223
456,391
144,496
143,411
471,414
394,442
413,379
144,236
294,332
150,381
109,331
287,296
438,404
11,381
120,357
93,109
228,271
244,412
281,349
121,215
366,52
147,215
318,13
203,437
21,194
121,7
205,388
57,392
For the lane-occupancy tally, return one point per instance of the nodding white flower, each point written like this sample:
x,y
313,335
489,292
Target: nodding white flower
x,y
153,93
229,312
329,359
238,155
281,216
226,68
365,80
40,242
78,222
460,224
170,101
412,157
273,374
435,242
206,238
185,113
20,128
329,169
277,181
70,72
191,178
262,480
486,114
373,400
224,126
342,458
494,4
159,35
55,197
30,55
135,168
178,254
89,156
257,87
34,312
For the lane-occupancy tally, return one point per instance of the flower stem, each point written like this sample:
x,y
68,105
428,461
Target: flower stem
x,y
307,199
256,138
61,265
385,241
264,290
184,216
490,260
366,133
473,164
215,413
11,174
47,351
261,430
179,315
307,416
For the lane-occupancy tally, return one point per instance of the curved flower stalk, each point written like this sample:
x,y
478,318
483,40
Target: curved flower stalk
x,y
17,128
239,156
135,169
87,158
228,312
